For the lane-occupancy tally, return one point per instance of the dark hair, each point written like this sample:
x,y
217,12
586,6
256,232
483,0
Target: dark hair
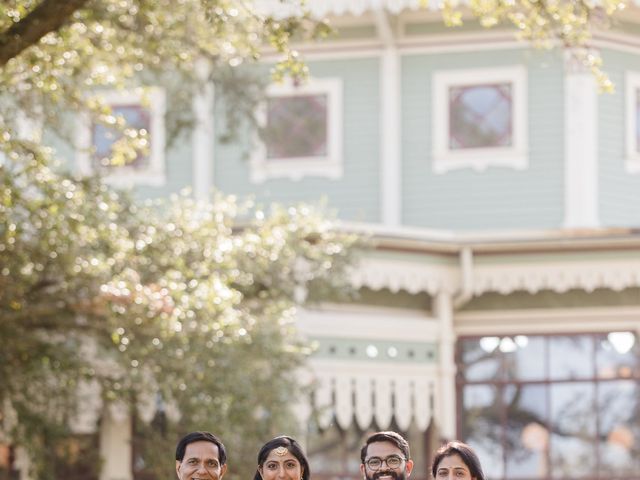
x,y
291,445
465,452
391,437
200,437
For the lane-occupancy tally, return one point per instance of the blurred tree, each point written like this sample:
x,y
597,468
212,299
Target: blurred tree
x,y
183,303
564,23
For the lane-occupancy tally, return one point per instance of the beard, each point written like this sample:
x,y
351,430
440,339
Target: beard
x,y
401,475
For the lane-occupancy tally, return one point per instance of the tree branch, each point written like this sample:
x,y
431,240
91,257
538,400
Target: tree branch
x,y
47,17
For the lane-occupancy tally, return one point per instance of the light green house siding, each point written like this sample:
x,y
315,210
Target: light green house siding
x,y
619,191
62,149
179,170
497,198
355,196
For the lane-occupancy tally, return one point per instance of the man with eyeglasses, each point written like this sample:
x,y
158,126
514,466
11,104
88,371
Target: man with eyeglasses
x,y
201,456
385,456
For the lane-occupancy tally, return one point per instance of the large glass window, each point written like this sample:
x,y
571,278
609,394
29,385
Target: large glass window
x,y
552,406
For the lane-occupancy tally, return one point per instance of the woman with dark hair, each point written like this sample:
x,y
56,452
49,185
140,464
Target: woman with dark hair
x,y
456,460
282,458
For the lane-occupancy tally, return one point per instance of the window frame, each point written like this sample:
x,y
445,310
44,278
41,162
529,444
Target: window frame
x,y
295,168
154,174
515,156
632,85
597,379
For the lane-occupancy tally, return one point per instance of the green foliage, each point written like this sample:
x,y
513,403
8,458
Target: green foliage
x,y
564,23
118,43
187,301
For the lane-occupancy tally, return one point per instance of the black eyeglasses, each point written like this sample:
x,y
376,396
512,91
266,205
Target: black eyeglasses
x,y
392,461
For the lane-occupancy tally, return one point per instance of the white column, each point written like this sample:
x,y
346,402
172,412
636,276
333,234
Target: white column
x,y
302,408
23,463
581,145
446,394
115,445
390,150
203,135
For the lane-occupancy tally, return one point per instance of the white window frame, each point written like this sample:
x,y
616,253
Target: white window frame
x,y
632,160
154,174
331,165
479,159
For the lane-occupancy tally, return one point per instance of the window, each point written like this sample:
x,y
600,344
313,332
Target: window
x,y
633,122
141,109
479,119
301,132
552,406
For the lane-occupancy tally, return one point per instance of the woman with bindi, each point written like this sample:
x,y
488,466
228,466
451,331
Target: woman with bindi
x,y
282,458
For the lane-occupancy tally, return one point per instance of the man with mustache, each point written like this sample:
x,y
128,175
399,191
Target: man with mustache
x,y
385,456
200,456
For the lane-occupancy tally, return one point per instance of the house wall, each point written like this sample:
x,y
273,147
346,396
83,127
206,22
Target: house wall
x,y
619,189
497,198
355,196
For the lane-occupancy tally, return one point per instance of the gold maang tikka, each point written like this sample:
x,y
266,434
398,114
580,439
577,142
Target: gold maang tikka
x,y
281,451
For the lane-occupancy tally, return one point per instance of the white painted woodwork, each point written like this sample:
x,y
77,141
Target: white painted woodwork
x,y
368,391
203,139
403,394
364,400
390,121
527,274
446,395
115,444
581,145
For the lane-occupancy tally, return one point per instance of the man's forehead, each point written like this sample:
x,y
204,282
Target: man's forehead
x,y
202,449
381,449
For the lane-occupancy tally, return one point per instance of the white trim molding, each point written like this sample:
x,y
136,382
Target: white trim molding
x,y
446,399
390,125
530,273
375,389
631,100
203,134
581,145
371,323
548,320
321,8
115,444
331,165
364,392
411,277
514,156
154,174
557,275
